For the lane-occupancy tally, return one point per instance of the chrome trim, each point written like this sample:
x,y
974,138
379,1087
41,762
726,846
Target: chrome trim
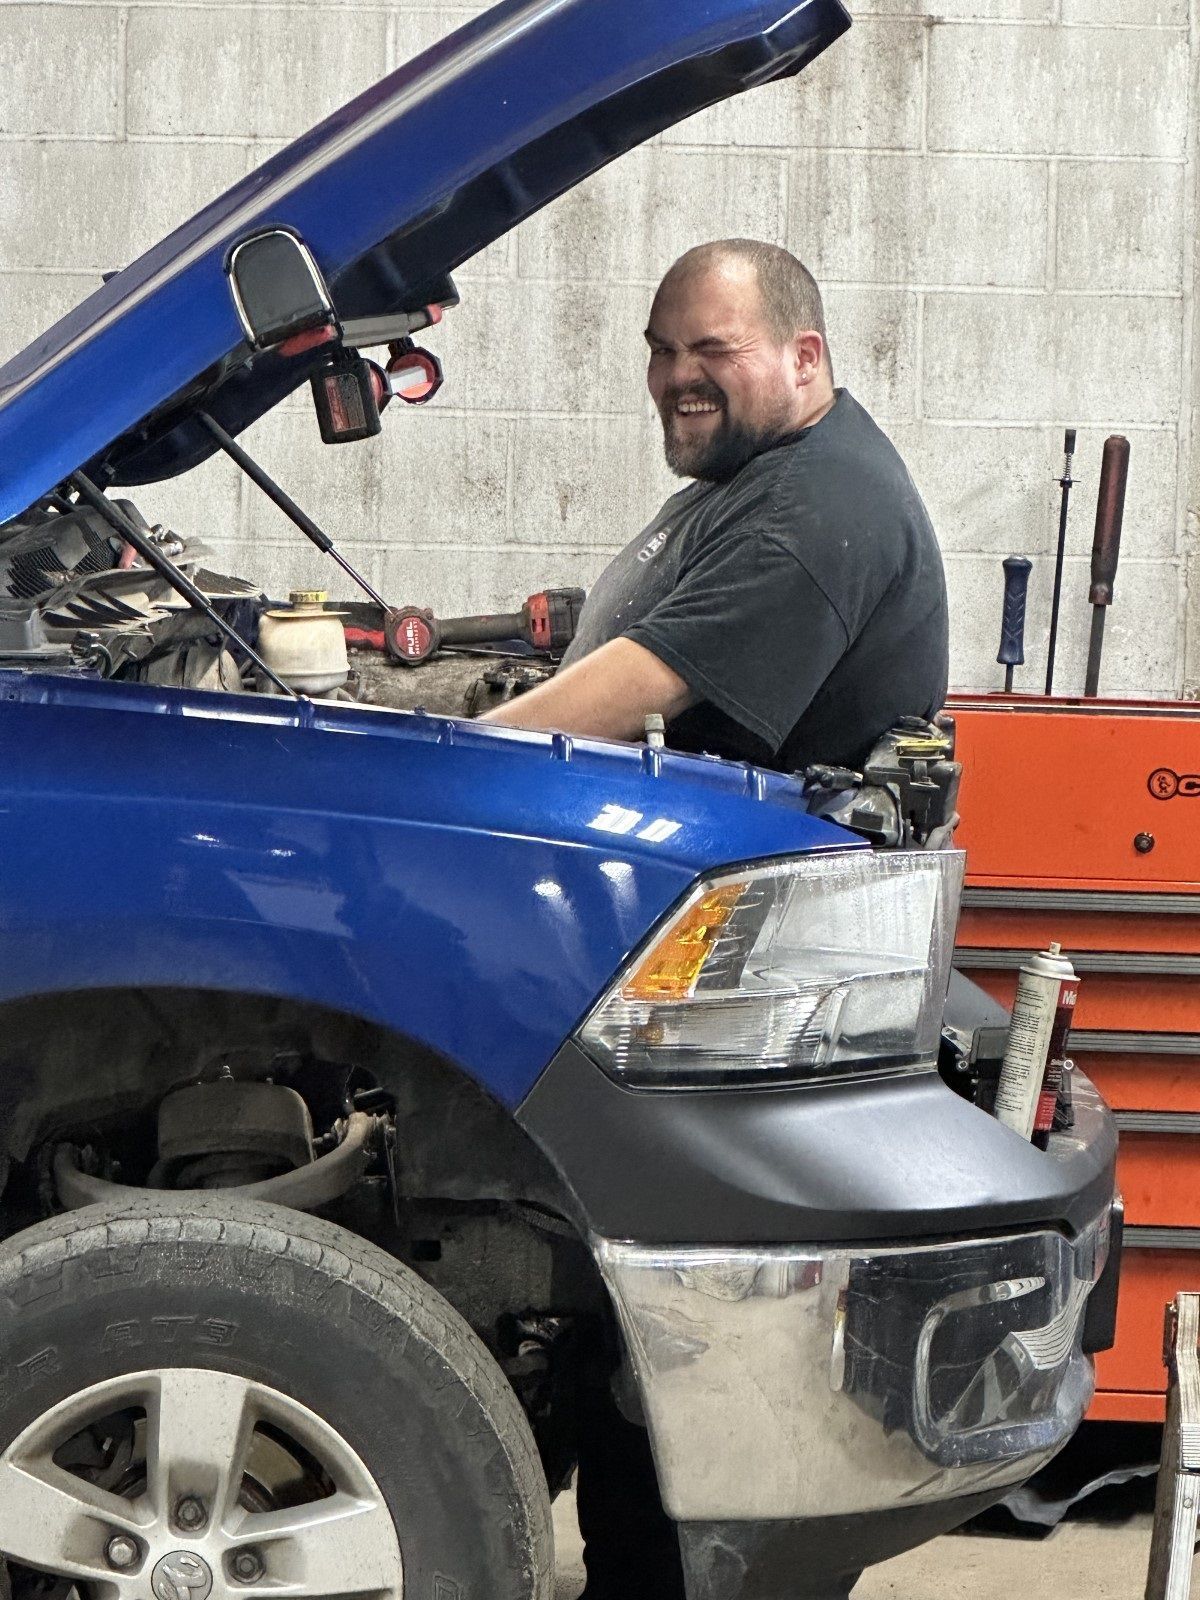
x,y
796,1382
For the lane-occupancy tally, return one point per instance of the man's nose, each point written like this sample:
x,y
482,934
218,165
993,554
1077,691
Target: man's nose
x,y
688,368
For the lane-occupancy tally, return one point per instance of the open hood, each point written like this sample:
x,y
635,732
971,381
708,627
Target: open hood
x,y
390,194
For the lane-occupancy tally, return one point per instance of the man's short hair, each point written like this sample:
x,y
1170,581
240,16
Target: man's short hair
x,y
790,296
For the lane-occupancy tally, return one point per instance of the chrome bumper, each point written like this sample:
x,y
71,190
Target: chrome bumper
x,y
795,1383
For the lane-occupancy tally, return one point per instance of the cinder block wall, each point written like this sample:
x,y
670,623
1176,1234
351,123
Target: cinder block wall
x,y
997,195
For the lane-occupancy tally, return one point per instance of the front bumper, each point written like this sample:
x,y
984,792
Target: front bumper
x,y
814,1383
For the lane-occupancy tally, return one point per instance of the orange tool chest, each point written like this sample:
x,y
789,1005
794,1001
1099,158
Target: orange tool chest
x,y
1081,822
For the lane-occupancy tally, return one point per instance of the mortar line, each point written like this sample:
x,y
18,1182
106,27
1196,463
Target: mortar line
x,y
1052,225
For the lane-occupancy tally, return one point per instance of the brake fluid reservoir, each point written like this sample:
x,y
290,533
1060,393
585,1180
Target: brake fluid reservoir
x,y
305,644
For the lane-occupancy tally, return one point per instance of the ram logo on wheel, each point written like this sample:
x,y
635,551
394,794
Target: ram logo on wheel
x,y
182,1576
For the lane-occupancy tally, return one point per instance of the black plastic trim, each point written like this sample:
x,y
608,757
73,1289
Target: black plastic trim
x,y
885,1159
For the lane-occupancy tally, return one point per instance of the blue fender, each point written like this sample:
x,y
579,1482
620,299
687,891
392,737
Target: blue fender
x,y
473,887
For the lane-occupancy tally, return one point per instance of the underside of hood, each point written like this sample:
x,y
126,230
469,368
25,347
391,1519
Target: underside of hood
x,y
390,194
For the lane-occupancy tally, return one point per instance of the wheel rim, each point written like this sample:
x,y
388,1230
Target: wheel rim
x,y
191,1484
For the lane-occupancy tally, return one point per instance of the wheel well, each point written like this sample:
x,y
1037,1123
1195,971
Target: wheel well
x,y
86,1063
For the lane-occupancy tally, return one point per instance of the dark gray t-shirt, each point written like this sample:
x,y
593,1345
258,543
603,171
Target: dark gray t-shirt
x,y
804,601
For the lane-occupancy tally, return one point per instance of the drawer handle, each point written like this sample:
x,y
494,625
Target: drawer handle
x,y
1104,1042
1122,901
1158,1121
1146,964
1162,1238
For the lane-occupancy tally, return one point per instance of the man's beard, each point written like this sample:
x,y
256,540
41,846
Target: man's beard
x,y
727,449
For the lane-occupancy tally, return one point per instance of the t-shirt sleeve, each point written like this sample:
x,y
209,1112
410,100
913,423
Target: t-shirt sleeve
x,y
747,628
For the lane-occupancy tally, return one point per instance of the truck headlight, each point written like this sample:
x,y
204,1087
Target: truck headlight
x,y
808,968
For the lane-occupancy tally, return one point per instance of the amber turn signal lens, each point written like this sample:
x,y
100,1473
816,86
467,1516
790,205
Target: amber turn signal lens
x,y
670,970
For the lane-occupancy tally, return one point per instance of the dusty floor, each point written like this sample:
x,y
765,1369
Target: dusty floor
x,y
1082,1560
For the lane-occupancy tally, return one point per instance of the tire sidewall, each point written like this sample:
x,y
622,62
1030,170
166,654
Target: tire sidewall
x,y
376,1355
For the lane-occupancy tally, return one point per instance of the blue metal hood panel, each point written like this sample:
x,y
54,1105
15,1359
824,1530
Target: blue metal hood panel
x,y
410,179
474,888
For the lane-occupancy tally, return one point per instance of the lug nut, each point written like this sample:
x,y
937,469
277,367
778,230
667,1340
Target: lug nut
x,y
247,1566
190,1514
121,1551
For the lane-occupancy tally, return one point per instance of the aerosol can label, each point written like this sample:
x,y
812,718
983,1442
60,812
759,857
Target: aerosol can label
x,y
1047,989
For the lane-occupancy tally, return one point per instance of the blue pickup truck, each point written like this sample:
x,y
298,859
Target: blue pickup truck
x,y
364,1072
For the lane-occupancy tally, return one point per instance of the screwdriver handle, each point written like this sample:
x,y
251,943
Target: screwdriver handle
x,y
1110,511
1012,626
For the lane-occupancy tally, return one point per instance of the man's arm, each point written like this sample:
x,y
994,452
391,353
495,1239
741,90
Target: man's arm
x,y
608,695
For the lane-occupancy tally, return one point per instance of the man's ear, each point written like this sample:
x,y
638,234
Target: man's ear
x,y
810,354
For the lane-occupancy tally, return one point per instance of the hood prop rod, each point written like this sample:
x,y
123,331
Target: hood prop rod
x,y
166,568
287,505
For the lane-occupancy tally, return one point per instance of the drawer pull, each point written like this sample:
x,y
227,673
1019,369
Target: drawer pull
x,y
1158,1121
1162,1238
1180,905
1103,1043
1121,962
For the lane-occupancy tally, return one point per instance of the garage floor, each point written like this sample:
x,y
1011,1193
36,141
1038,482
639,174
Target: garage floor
x,y
1082,1560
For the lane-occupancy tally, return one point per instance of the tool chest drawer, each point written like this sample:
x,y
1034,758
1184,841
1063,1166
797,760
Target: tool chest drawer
x,y
1158,1169
1130,1378
1075,833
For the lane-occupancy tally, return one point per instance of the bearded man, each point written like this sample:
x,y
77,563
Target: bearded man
x,y
789,605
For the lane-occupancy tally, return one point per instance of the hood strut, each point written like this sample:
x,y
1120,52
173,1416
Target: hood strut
x,y
166,568
280,497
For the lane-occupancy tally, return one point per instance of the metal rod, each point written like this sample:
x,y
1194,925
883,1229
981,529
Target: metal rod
x,y
166,568
1091,681
287,505
1065,483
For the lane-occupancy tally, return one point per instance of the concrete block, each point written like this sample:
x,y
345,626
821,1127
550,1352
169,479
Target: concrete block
x,y
92,207
60,69
202,504
418,28
1127,13
471,581
634,218
873,341
31,301
866,90
1120,225
995,490
1051,358
442,478
1081,91
1139,637
256,72
589,481
338,485
525,346
958,10
919,219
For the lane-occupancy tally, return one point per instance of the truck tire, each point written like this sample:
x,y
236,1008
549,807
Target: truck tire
x,y
199,1396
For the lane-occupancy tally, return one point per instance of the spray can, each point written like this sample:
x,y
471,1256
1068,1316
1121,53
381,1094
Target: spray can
x,y
1047,989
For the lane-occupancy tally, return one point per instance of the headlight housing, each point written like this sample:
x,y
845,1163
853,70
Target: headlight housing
x,y
804,969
